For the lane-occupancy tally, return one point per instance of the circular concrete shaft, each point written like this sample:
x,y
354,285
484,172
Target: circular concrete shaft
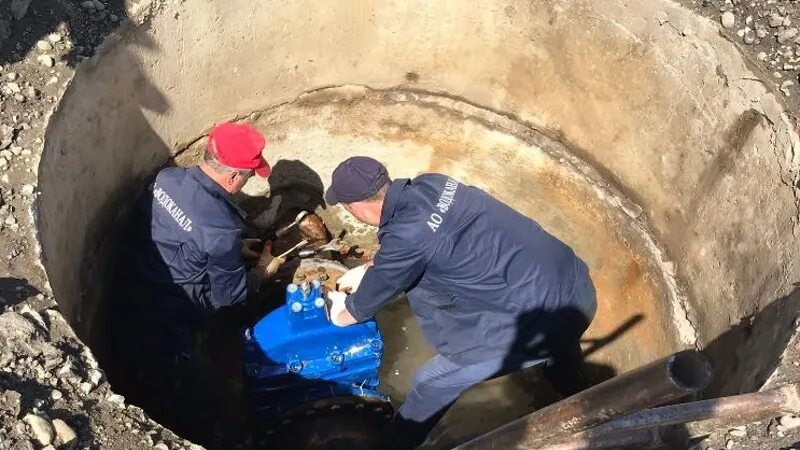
x,y
654,152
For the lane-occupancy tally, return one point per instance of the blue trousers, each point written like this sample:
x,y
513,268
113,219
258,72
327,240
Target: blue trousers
x,y
439,382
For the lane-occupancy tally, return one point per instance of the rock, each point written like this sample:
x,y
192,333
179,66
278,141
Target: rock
x,y
64,432
786,84
44,45
27,190
46,60
40,429
85,387
789,421
787,35
20,98
113,18
10,220
54,38
738,433
728,20
762,56
95,376
762,33
11,76
775,20
749,37
56,395
31,93
116,399
729,444
5,179
161,446
12,88
89,4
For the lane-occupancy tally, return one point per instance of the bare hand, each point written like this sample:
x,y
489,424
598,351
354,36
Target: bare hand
x,y
273,266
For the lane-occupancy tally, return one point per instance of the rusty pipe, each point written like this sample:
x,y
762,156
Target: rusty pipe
x,y
659,382
702,417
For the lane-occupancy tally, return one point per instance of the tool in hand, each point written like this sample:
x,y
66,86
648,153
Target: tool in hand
x,y
334,246
297,220
300,244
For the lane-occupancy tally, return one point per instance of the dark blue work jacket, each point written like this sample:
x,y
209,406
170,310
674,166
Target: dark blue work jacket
x,y
478,273
187,245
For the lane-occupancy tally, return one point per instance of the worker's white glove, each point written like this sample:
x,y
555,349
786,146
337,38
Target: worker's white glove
x,y
337,306
351,279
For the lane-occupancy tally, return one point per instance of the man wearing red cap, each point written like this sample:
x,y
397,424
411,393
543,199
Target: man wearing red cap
x,y
188,253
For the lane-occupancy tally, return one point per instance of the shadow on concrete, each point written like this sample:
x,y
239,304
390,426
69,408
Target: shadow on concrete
x,y
525,389
15,290
598,343
747,354
25,22
294,187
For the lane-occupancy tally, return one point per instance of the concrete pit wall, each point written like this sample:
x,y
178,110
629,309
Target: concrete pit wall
x,y
633,132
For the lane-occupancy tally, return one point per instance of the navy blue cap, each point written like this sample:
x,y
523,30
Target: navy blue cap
x,y
356,179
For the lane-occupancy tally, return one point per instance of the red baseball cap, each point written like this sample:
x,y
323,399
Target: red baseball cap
x,y
239,145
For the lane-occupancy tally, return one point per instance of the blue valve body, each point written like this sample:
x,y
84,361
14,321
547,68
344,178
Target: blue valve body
x,y
295,356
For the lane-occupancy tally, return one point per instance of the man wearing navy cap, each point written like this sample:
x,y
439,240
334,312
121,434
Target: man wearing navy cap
x,y
492,291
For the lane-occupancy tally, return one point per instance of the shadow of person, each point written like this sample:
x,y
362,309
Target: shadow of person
x,y
15,290
23,23
744,357
523,388
293,187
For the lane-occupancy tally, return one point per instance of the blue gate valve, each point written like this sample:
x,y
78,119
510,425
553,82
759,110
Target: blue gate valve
x,y
295,356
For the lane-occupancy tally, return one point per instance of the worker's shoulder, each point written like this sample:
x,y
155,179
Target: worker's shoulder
x,y
428,178
171,174
207,207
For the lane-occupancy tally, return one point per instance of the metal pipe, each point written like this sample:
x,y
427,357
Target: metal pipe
x,y
647,427
654,384
748,408
638,439
287,228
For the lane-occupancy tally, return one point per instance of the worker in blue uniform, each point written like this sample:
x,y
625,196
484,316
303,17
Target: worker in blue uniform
x,y
493,291
188,259
188,245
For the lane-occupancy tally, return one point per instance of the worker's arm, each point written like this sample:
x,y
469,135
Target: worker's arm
x,y
225,269
397,265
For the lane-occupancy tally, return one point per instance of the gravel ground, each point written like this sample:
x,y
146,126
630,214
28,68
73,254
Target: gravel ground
x,y
768,33
52,394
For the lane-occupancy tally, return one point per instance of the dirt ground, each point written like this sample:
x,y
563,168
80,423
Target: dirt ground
x,y
52,393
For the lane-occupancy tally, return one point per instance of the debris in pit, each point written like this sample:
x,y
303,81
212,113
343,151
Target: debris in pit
x,y
41,430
